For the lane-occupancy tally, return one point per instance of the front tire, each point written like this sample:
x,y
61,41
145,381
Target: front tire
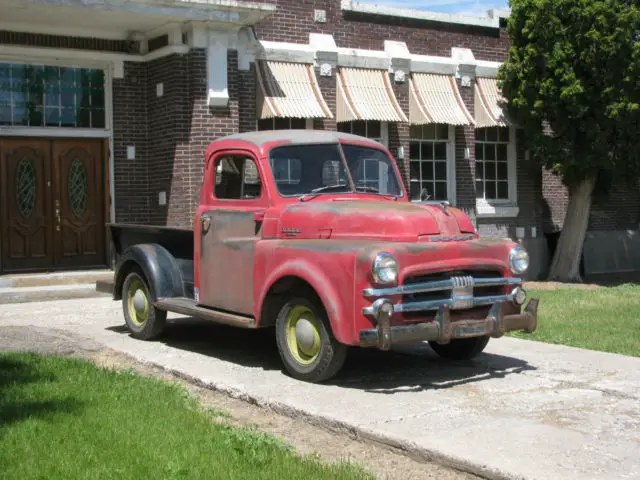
x,y
461,348
144,321
306,343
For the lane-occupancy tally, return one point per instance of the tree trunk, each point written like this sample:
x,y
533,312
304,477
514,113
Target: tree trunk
x,y
566,261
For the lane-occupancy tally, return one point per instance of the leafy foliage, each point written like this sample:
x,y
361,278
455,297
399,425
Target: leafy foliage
x,y
572,81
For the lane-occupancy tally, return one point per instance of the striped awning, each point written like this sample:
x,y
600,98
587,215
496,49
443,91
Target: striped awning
x,y
486,105
289,90
434,98
366,94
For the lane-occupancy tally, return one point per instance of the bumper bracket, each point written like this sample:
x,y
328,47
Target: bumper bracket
x,y
443,330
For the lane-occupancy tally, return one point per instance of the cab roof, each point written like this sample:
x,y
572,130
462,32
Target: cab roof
x,y
298,137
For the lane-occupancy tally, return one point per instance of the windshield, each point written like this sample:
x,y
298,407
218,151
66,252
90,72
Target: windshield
x,y
315,169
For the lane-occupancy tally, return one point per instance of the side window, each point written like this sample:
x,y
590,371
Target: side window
x,y
237,178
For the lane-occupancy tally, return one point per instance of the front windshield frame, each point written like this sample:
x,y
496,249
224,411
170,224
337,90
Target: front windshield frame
x,y
350,187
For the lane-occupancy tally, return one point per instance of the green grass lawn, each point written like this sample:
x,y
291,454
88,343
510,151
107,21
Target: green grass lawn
x,y
605,319
67,419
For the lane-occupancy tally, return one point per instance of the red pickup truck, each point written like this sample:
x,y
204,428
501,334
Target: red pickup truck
x,y
313,233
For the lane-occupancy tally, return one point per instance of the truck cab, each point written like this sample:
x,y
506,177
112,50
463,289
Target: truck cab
x,y
312,233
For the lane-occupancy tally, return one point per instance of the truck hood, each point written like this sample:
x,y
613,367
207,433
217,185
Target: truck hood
x,y
378,219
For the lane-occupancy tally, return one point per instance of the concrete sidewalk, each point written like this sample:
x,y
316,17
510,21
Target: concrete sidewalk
x,y
521,410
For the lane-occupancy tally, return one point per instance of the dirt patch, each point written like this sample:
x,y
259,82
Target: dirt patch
x,y
331,446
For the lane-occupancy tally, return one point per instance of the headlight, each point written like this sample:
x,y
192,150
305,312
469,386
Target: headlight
x,y
385,268
518,260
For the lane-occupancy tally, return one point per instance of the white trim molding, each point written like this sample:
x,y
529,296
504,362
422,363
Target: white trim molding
x,y
322,51
72,56
504,208
490,20
217,70
223,11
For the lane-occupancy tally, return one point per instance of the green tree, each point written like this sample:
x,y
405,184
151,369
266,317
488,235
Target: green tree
x,y
572,82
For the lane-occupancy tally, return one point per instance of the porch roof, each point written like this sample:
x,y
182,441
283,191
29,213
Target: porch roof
x,y
120,19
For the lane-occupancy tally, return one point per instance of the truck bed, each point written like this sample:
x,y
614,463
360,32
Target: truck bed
x,y
178,241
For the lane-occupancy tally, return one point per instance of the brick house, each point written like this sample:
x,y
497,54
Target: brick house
x,y
110,121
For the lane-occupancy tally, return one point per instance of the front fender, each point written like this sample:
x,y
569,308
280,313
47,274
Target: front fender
x,y
337,305
158,266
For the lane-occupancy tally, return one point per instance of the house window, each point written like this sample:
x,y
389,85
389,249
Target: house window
x,y
237,178
365,128
287,171
51,96
431,164
278,123
493,164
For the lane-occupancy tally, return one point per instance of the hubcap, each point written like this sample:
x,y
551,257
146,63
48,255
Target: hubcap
x,y
138,303
303,335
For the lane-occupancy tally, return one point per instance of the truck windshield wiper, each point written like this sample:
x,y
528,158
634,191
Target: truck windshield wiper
x,y
317,191
328,187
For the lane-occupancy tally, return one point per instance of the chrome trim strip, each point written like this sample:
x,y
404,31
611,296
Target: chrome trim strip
x,y
438,285
452,303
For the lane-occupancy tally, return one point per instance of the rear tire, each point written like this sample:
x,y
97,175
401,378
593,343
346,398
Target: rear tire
x,y
144,321
461,348
306,343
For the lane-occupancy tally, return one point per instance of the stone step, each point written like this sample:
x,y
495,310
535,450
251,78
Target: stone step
x,y
50,292
84,277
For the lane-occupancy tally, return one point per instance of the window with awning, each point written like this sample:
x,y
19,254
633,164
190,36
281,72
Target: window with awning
x,y
289,90
487,104
434,98
366,94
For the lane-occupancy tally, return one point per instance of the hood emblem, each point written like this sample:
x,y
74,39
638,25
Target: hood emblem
x,y
457,238
290,232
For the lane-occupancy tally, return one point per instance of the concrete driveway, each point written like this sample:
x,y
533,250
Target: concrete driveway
x,y
520,410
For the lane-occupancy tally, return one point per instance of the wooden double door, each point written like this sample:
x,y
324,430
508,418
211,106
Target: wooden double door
x,y
52,204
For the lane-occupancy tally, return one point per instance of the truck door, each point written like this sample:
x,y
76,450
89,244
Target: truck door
x,y
229,229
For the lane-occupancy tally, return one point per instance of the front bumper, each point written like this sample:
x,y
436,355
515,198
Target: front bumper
x,y
442,329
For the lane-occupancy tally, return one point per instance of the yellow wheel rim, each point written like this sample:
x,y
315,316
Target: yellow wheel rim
x,y
303,335
137,302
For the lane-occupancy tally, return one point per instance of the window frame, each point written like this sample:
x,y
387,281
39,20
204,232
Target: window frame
x,y
450,162
213,198
66,132
502,207
384,131
308,123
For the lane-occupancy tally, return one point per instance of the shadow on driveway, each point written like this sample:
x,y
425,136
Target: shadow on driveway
x,y
406,368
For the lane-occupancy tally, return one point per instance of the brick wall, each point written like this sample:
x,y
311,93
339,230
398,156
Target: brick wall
x,y
168,138
181,126
131,177
465,169
294,20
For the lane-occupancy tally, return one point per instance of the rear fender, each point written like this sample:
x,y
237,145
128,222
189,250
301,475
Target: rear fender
x,y
334,304
158,266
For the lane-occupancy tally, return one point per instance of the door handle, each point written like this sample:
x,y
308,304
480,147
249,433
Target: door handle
x,y
205,221
58,222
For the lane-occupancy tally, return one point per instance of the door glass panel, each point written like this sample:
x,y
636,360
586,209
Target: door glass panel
x,y
78,187
26,187
51,96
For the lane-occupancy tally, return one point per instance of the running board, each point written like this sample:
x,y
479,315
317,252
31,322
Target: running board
x,y
187,306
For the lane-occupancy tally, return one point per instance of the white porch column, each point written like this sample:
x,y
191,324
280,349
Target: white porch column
x,y
217,69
